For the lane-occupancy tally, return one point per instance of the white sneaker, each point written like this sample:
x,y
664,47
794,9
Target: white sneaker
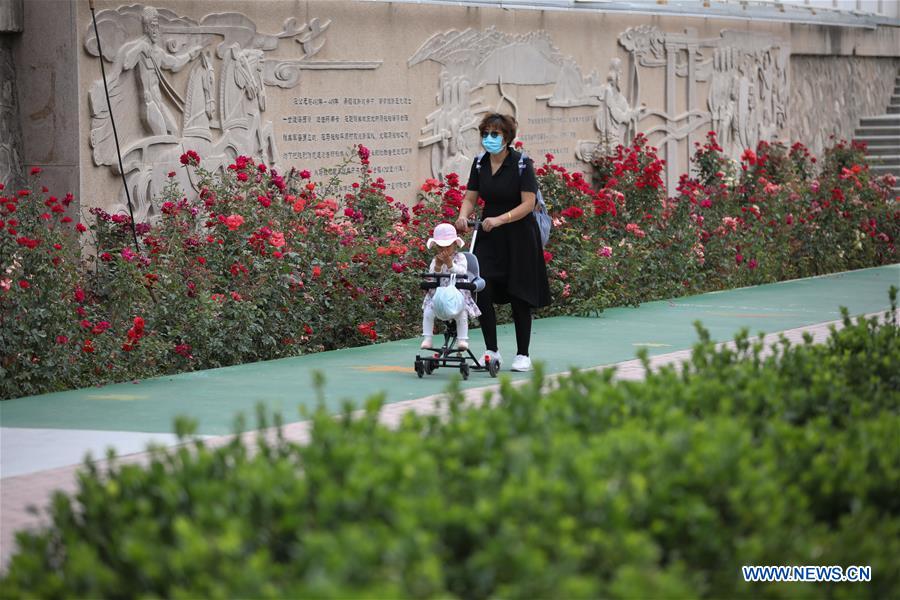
x,y
462,345
426,343
492,356
521,363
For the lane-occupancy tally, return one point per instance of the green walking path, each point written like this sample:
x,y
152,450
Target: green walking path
x,y
215,396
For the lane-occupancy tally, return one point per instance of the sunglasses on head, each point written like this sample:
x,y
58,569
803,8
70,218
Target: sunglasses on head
x,y
493,134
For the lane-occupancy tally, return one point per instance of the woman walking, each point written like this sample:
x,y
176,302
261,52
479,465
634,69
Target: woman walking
x,y
508,247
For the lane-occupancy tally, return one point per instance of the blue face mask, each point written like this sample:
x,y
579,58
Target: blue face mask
x,y
493,142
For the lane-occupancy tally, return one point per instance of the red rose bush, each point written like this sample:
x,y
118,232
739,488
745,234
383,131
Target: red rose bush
x,y
263,264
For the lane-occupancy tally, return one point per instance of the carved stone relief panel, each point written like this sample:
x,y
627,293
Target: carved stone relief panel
x,y
220,112
228,83
474,60
743,95
830,93
11,162
747,89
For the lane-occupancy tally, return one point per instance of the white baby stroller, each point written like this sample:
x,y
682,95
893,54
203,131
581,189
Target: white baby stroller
x,y
449,355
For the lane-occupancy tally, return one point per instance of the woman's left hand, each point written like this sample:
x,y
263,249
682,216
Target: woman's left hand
x,y
490,223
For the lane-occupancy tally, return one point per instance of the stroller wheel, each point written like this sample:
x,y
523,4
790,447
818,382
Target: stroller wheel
x,y
493,367
430,366
464,371
420,368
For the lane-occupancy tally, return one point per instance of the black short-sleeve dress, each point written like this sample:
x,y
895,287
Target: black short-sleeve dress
x,y
510,256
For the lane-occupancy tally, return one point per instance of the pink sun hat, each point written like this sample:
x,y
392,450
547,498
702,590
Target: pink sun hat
x,y
444,235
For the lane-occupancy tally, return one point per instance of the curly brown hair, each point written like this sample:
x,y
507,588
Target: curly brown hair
x,y
505,123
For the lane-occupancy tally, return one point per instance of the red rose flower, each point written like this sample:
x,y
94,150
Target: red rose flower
x,y
368,330
190,158
573,212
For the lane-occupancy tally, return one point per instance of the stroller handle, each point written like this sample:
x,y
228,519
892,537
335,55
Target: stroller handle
x,y
460,285
462,282
474,223
444,275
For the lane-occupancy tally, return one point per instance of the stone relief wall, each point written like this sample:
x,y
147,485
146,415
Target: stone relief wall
x,y
412,82
830,93
746,101
221,111
471,61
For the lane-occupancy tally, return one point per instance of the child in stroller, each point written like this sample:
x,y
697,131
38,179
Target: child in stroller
x,y
444,242
461,268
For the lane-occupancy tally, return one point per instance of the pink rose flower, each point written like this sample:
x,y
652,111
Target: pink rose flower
x,y
234,221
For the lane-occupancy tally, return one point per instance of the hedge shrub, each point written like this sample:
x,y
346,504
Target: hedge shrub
x,y
595,488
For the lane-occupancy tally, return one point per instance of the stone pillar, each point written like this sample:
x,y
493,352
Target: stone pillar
x,y
11,23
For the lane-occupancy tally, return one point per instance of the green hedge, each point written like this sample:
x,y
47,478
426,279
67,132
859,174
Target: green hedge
x,y
660,488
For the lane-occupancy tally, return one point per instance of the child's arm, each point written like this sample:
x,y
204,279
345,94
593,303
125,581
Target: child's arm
x,y
431,270
460,265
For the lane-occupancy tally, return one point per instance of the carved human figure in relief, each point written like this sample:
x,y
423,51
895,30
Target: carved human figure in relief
x,y
616,118
461,122
453,127
750,106
443,126
723,95
768,80
151,59
244,100
200,115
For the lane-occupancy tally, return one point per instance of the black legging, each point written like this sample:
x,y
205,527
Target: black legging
x,y
521,312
